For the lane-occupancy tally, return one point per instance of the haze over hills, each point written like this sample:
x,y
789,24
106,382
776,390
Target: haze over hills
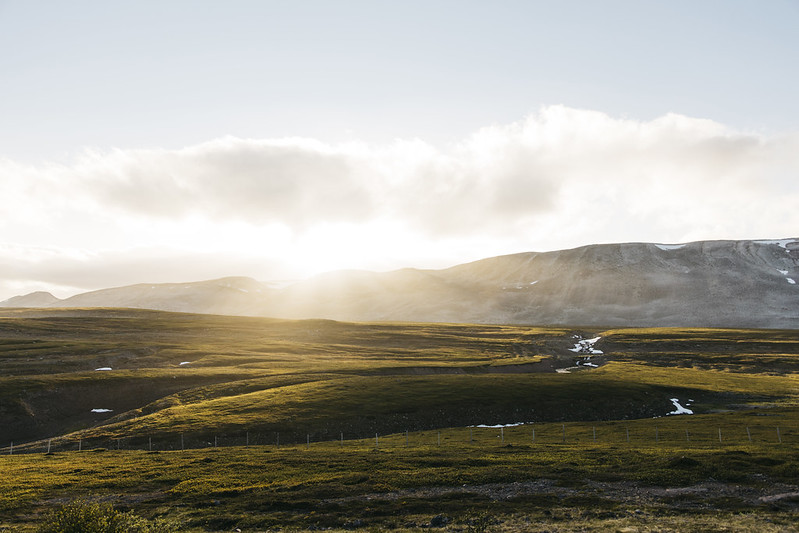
x,y
704,284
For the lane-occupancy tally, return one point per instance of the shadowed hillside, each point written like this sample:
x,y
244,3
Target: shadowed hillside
x,y
111,373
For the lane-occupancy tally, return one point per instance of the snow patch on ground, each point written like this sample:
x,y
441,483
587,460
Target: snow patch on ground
x,y
185,363
591,364
791,281
102,410
586,346
783,272
679,409
669,247
497,426
103,368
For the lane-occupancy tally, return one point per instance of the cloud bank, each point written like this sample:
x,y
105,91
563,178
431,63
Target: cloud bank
x,y
561,177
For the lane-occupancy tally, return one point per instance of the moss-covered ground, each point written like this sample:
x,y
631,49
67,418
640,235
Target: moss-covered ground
x,y
316,424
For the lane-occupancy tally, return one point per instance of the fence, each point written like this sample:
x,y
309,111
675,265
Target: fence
x,y
689,435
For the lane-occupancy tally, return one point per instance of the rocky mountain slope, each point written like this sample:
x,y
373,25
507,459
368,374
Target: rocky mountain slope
x,y
708,283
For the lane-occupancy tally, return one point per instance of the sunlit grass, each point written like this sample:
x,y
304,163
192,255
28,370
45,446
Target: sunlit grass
x,y
249,433
271,484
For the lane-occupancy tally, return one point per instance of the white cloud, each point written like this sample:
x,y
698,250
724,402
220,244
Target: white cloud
x,y
562,177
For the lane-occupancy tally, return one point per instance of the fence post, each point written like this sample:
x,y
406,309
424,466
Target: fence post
x,y
687,436
657,435
748,434
278,440
533,434
502,434
628,433
377,442
49,441
779,437
150,440
564,432
719,435
11,448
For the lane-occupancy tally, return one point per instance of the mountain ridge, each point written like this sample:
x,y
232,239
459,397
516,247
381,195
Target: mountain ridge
x,y
724,283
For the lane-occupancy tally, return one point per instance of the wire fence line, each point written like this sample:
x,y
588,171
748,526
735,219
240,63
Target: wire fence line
x,y
689,436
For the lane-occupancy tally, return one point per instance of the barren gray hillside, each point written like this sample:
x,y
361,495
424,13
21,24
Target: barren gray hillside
x,y
231,296
34,299
708,283
718,283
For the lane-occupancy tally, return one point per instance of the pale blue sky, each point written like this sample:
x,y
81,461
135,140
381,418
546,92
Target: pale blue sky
x,y
129,74
150,141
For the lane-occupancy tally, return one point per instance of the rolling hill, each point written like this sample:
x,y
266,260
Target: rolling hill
x,y
157,373
224,422
707,283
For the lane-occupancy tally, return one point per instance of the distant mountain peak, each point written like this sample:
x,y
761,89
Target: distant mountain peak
x,y
746,283
34,299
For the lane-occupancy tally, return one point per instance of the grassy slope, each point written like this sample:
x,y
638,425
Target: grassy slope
x,y
327,485
321,378
364,405
49,384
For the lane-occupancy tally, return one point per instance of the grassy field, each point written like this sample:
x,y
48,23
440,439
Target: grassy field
x,y
226,422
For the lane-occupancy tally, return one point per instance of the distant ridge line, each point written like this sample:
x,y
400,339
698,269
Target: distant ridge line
x,y
718,283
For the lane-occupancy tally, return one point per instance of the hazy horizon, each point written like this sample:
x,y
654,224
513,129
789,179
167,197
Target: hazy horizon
x,y
149,142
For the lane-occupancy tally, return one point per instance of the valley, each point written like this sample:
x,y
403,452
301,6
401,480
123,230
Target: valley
x,y
220,422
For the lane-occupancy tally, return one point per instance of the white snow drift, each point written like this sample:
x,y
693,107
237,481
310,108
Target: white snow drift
x,y
586,346
497,426
679,409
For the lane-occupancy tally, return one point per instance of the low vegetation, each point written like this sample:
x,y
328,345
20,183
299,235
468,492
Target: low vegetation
x,y
317,424
81,516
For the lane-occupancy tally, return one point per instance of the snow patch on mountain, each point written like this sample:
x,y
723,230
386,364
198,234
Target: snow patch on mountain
x,y
519,286
782,243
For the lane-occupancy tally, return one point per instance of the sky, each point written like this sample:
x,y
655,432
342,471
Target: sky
x,y
181,140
